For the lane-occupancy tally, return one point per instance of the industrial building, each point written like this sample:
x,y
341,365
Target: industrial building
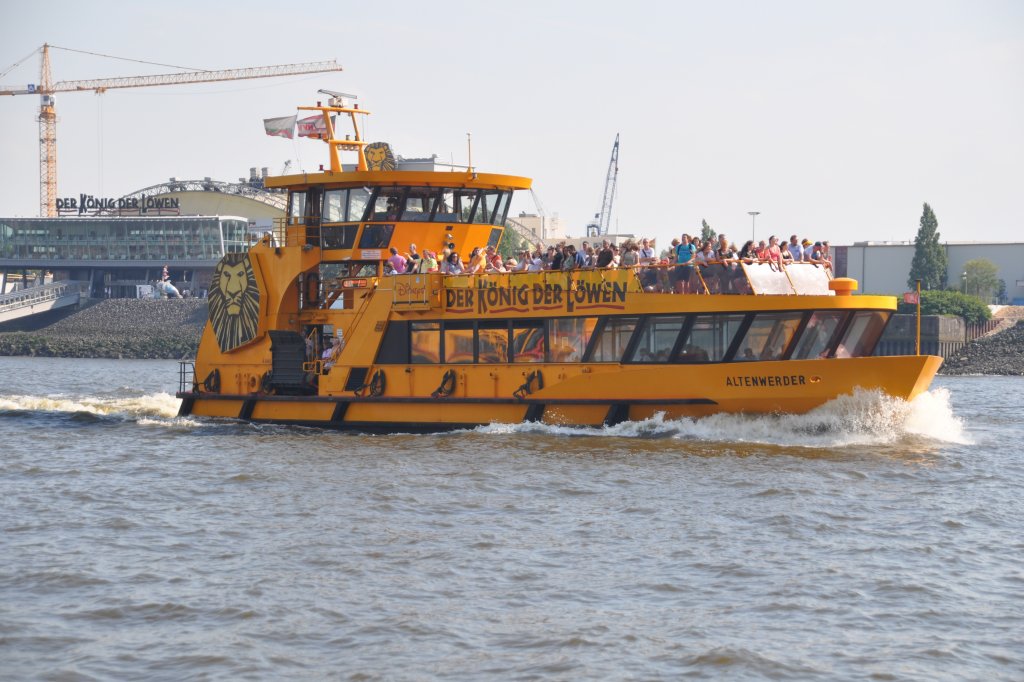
x,y
883,267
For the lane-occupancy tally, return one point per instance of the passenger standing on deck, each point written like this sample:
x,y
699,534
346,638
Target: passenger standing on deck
x,y
452,265
774,252
412,259
684,255
428,263
646,252
604,256
795,249
397,261
166,274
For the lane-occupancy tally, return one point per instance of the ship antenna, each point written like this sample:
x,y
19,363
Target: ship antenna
x,y
469,147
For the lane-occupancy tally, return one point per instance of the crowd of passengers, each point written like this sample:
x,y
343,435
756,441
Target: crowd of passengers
x,y
675,270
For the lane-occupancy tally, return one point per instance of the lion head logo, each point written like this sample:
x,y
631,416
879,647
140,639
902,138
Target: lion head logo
x,y
379,156
234,301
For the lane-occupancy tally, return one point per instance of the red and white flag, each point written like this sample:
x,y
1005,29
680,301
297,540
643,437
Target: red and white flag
x,y
910,297
313,126
280,127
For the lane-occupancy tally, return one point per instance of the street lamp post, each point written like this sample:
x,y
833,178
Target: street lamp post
x,y
753,224
964,278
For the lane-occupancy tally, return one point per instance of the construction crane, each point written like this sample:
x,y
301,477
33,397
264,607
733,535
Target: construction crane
x,y
46,89
603,219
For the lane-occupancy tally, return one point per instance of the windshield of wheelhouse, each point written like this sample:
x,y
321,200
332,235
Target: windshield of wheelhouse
x,y
418,204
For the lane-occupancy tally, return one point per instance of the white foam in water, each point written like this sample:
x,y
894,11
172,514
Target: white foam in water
x,y
864,418
155,405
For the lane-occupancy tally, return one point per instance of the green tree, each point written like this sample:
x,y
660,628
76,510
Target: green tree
x,y
706,233
511,244
981,278
938,302
930,262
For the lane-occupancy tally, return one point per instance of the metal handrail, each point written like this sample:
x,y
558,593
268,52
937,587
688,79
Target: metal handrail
x,y
38,294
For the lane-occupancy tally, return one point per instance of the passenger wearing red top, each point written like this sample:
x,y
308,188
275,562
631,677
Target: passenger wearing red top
x,y
774,253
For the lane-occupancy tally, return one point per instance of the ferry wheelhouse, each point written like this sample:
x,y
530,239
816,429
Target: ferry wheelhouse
x,y
427,351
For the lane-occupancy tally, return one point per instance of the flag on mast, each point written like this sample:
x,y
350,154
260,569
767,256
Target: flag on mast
x,y
313,126
280,127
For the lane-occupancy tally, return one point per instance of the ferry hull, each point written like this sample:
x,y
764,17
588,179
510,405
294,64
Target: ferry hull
x,y
591,397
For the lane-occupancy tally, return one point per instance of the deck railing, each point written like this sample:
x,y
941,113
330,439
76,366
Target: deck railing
x,y
32,296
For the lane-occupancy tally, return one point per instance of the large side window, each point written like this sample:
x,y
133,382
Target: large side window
x,y
425,343
569,336
813,342
769,336
387,205
492,342
420,203
528,341
458,342
613,339
862,334
335,206
338,236
657,339
710,337
376,236
358,202
297,207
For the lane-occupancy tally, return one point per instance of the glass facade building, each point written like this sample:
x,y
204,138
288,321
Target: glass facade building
x,y
115,254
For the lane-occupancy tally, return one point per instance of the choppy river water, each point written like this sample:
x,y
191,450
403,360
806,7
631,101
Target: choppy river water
x,y
871,539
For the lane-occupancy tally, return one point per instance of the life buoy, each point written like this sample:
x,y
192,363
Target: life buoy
x,y
376,385
212,382
447,386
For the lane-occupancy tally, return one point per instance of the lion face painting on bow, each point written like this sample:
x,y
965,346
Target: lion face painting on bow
x,y
234,301
379,156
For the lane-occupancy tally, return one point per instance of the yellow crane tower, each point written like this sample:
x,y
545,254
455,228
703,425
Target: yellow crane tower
x,y
48,110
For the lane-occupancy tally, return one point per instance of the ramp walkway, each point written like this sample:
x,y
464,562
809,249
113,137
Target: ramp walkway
x,y
39,299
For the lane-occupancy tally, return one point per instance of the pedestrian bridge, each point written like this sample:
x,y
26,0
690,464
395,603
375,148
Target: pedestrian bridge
x,y
39,299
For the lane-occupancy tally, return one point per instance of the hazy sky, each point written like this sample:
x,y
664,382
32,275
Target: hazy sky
x,y
834,119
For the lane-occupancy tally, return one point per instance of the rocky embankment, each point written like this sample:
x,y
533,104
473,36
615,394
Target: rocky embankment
x,y
1000,353
117,328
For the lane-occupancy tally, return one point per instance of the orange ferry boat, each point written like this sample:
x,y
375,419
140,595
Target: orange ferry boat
x,y
427,351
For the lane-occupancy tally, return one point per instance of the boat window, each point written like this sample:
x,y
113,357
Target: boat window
x,y
358,202
769,336
387,205
502,214
816,336
376,236
495,237
465,202
335,206
425,342
488,206
657,339
456,206
458,342
492,342
569,337
709,338
613,339
528,342
297,207
338,236
862,335
419,203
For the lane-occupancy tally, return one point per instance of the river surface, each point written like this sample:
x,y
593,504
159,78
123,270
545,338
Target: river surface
x,y
872,539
